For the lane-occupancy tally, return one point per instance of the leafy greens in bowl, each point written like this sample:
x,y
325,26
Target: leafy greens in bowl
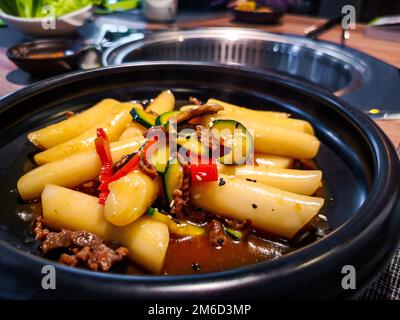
x,y
36,8
32,16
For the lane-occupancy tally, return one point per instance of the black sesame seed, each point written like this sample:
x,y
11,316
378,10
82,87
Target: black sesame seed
x,y
251,180
254,206
196,266
220,241
237,125
188,137
221,182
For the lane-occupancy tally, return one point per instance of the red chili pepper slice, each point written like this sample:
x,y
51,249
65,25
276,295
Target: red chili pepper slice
x,y
103,150
103,197
202,172
131,165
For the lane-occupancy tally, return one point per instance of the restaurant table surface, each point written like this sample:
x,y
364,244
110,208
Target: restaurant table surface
x,y
389,52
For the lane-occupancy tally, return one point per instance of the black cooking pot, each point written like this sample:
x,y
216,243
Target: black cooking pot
x,y
360,165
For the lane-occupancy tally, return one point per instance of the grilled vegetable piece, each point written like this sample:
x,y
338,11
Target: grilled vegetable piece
x,y
68,129
235,234
202,172
164,102
175,226
160,158
71,171
172,178
163,119
273,210
194,111
236,137
146,239
144,118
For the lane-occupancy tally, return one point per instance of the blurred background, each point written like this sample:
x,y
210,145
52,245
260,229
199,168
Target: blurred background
x,y
366,9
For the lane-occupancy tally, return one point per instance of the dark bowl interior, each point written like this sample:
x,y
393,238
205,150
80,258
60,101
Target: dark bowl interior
x,y
21,55
360,166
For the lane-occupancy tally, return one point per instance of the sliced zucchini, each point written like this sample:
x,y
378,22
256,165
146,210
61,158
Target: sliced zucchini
x,y
236,138
235,234
144,118
175,226
172,178
160,158
164,118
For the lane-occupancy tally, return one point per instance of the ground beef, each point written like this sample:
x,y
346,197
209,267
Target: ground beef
x,y
181,195
237,224
91,187
178,204
70,114
121,162
198,112
194,101
84,249
39,230
100,258
217,235
147,167
198,216
207,139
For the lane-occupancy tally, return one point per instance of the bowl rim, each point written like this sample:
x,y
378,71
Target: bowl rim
x,y
375,208
9,17
12,57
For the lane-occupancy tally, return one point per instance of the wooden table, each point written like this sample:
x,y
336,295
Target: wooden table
x,y
386,51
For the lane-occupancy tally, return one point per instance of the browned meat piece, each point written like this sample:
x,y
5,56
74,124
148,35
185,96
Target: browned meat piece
x,y
178,204
207,139
70,114
186,183
217,236
66,238
181,195
91,187
197,112
39,230
194,101
121,162
238,224
198,216
85,248
147,167
99,258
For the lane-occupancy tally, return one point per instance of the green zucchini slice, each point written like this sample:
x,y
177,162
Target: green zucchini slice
x,y
160,158
172,178
236,138
163,119
144,118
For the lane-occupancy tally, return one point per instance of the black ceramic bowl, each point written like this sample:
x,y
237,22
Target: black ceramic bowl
x,y
360,166
39,57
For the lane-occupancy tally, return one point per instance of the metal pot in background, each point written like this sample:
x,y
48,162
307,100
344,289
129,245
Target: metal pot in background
x,y
160,10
